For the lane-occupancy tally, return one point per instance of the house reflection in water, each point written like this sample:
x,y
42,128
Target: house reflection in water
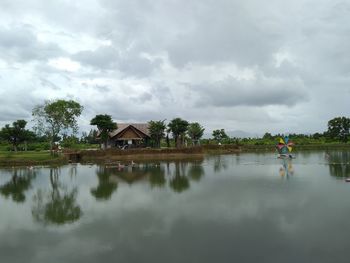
x,y
177,175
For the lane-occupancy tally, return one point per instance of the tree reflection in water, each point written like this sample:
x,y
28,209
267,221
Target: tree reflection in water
x,y
338,162
58,206
157,176
219,164
196,171
19,183
178,173
153,172
179,182
106,186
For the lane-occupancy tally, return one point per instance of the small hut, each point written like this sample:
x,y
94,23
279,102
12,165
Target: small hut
x,y
129,135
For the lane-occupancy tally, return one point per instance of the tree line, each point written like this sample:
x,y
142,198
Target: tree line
x,y
158,130
56,121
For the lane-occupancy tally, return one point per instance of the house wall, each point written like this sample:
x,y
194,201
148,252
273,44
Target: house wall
x,y
129,134
126,137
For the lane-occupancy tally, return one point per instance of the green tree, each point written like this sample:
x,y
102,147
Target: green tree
x,y
219,135
267,136
338,128
90,138
178,127
104,125
56,117
195,131
156,131
16,134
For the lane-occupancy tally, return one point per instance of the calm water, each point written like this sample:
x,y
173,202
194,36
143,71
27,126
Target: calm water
x,y
229,208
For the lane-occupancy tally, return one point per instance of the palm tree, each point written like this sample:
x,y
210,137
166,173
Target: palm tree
x,y
178,127
156,130
195,131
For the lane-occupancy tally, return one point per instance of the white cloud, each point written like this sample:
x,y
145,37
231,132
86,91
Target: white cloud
x,y
64,64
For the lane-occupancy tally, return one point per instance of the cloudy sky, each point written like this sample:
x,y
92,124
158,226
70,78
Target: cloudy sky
x,y
237,65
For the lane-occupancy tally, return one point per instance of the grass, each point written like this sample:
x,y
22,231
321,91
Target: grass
x,y
27,158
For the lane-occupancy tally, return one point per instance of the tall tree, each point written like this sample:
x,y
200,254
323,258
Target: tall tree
x,y
156,130
267,136
90,138
178,127
195,131
56,117
219,135
16,134
104,125
339,128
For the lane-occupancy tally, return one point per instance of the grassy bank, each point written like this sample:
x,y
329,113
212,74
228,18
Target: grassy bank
x,y
111,155
29,158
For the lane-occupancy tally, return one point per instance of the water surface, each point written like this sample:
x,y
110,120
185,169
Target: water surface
x,y
224,208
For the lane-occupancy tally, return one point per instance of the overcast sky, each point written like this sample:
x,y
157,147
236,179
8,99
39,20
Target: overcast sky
x,y
238,65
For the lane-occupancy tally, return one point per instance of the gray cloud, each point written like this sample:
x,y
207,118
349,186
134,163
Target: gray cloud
x,y
261,92
49,84
102,58
110,58
16,105
19,44
143,59
144,97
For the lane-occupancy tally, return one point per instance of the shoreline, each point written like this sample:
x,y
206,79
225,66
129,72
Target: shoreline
x,y
147,154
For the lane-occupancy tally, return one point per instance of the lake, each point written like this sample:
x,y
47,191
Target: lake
x,y
222,208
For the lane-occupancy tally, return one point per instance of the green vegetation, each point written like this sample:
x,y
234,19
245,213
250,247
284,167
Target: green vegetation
x,y
195,131
56,121
220,135
156,131
16,134
178,127
55,117
105,125
29,158
338,128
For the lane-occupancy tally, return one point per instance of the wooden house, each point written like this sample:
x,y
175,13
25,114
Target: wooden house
x,y
129,135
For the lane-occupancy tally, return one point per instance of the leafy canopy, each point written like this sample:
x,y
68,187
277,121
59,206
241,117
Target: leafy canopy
x,y
104,124
219,135
339,128
54,117
195,131
16,134
156,131
178,126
